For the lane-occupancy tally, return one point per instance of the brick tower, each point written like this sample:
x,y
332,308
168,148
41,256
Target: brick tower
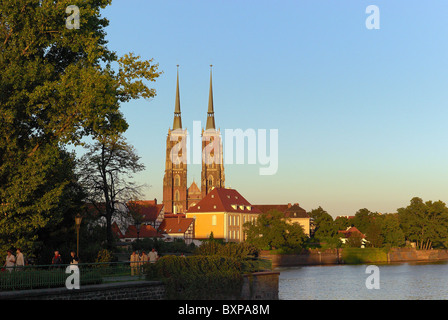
x,y
212,175
175,178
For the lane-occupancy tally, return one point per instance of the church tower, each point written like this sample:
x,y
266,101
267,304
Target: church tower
x,y
212,175
175,178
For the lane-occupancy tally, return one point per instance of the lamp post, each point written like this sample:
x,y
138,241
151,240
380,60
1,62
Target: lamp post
x,y
78,220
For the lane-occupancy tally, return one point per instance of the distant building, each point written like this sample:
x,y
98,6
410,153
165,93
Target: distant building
x,y
177,226
352,231
293,212
222,211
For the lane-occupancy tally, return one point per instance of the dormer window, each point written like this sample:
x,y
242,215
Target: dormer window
x,y
249,208
234,206
241,207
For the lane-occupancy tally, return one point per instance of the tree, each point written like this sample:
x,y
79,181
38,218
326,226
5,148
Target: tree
x,y
325,228
392,234
272,230
57,86
106,173
425,223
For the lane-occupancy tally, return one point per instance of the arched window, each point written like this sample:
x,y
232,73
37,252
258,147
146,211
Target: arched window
x,y
210,180
176,195
176,181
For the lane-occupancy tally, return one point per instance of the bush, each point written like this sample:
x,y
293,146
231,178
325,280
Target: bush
x,y
198,277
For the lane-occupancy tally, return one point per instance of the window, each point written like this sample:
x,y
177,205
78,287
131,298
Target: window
x,y
210,181
249,208
234,206
214,220
176,181
176,195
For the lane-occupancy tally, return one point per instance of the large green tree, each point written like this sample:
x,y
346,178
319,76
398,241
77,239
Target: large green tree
x,y
425,223
272,230
57,86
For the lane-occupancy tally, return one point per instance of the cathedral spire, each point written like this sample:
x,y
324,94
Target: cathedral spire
x,y
177,123
210,113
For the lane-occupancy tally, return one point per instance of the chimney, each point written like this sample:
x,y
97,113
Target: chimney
x,y
289,205
155,201
296,204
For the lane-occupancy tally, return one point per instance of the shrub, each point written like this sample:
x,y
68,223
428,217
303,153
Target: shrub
x,y
198,277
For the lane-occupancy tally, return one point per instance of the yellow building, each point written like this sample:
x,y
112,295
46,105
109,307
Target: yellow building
x,y
223,211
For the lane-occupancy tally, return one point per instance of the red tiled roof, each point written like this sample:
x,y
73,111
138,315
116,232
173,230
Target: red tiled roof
x,y
223,200
351,231
116,230
175,225
290,211
148,209
146,231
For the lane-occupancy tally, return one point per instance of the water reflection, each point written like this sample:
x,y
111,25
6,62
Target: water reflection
x,y
347,282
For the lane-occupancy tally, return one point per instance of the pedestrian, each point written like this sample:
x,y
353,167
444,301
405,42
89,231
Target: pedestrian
x,y
74,260
57,259
153,256
10,261
20,260
134,263
182,255
144,259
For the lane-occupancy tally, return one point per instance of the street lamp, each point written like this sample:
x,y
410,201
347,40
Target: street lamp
x,y
78,220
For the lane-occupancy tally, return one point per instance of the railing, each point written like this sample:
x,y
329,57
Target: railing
x,y
53,276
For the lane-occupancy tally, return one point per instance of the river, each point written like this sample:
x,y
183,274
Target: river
x,y
405,281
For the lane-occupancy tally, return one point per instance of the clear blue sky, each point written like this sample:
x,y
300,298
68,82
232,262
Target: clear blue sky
x,y
362,114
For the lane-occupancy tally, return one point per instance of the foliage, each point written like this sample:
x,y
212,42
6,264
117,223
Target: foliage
x,y
236,250
162,247
363,255
392,233
105,173
105,256
354,240
325,227
272,231
198,277
58,86
425,223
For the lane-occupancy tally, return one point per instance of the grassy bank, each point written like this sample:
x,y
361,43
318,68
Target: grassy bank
x,y
363,255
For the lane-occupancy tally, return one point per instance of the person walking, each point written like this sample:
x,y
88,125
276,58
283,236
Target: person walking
x,y
144,260
57,259
134,263
20,260
10,261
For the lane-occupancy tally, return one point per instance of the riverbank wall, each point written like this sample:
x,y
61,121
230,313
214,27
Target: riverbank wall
x,y
256,286
353,256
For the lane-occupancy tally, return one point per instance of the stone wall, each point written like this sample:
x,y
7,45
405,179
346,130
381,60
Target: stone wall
x,y
410,254
335,257
309,258
257,286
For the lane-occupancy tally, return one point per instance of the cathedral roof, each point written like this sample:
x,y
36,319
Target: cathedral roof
x,y
194,188
224,200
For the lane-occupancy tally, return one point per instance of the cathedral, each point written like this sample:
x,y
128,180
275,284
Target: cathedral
x,y
177,196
